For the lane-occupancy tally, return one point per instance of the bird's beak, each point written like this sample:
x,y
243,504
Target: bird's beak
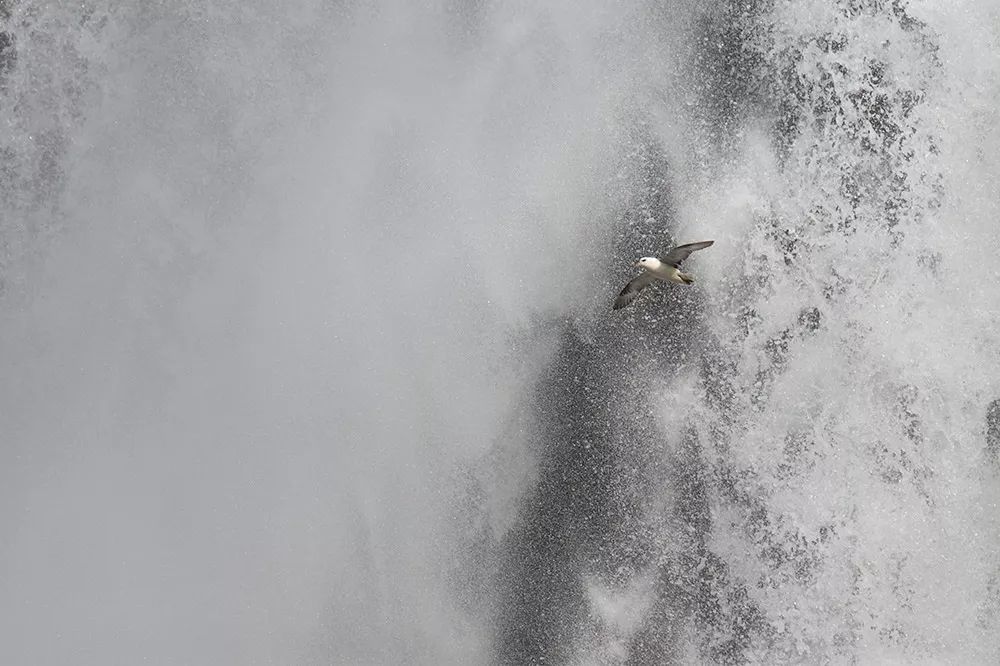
x,y
635,265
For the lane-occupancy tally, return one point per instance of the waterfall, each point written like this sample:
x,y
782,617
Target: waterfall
x,y
841,417
307,353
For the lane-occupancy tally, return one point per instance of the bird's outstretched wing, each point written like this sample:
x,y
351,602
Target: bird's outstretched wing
x,y
632,290
682,252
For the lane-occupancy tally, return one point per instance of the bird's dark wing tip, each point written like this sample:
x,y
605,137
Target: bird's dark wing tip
x,y
631,290
626,296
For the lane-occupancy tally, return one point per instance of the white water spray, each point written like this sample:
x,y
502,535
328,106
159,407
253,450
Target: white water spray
x,y
263,267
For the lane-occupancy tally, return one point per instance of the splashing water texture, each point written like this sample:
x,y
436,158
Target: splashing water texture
x,y
306,350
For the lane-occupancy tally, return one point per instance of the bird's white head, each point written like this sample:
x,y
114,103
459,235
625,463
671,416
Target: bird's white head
x,y
648,263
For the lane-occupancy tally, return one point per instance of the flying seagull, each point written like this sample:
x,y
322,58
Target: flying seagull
x,y
653,269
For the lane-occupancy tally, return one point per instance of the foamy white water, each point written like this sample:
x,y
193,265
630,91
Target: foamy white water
x,y
307,353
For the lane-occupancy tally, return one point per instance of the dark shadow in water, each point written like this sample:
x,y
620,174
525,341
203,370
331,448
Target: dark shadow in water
x,y
584,516
993,433
601,458
601,461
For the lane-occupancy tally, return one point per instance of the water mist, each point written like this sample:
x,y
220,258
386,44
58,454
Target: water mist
x,y
307,352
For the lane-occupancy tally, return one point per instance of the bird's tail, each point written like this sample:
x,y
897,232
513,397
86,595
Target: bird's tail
x,y
685,278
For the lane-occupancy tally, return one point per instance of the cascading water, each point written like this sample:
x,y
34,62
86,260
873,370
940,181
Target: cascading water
x,y
842,417
307,354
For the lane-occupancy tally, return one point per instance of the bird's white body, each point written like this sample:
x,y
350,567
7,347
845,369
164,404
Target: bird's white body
x,y
660,270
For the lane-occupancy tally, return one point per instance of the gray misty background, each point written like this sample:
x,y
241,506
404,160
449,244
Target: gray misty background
x,y
307,357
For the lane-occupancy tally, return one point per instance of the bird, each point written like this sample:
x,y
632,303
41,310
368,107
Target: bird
x,y
653,269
